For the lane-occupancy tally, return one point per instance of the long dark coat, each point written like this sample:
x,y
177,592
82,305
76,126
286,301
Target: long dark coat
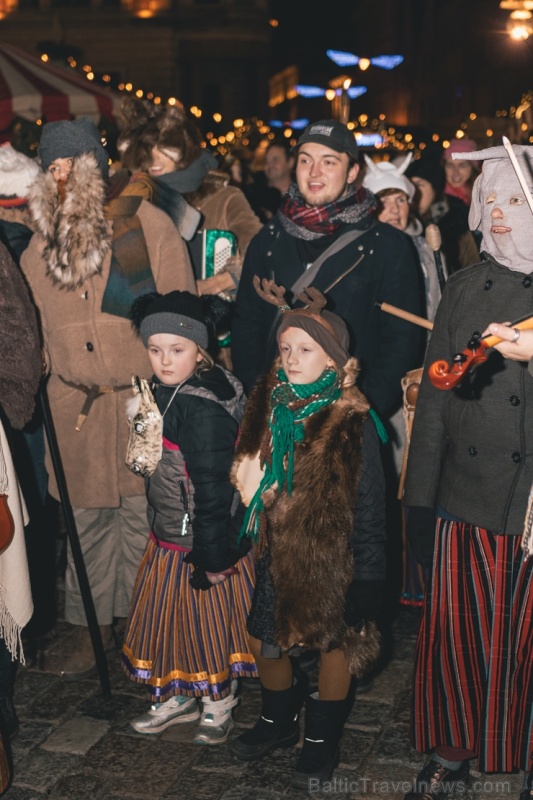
x,y
471,450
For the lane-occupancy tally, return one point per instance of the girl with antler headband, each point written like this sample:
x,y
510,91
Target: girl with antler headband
x,y
308,467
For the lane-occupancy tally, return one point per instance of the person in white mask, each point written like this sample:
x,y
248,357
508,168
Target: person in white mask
x,y
468,480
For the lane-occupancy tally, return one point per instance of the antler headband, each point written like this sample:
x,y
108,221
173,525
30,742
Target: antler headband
x,y
271,292
313,299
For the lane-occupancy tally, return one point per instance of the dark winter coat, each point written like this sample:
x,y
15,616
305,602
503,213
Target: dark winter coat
x,y
458,242
15,230
330,531
471,450
20,349
200,429
385,346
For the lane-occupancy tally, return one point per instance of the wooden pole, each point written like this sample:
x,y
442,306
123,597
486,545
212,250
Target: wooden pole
x,y
399,312
519,174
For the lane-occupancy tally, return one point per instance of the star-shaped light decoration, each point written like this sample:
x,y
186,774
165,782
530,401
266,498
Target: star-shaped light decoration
x,y
343,59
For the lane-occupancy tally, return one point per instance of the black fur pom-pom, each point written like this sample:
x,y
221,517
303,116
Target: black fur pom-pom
x,y
217,311
218,314
139,308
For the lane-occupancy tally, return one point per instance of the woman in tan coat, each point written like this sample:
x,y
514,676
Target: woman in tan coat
x,y
170,167
92,255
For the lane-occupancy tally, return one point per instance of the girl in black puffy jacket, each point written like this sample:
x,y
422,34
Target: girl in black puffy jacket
x,y
186,633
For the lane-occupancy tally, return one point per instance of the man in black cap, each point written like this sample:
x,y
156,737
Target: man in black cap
x,y
325,217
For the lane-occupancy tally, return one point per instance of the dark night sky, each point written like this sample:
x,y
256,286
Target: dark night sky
x,y
307,29
475,53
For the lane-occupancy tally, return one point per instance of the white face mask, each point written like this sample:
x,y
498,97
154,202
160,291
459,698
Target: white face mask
x,y
501,212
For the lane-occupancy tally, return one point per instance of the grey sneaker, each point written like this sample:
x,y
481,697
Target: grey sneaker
x,y
216,721
162,715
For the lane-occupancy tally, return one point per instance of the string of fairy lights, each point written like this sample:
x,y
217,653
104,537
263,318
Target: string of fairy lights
x,y
241,133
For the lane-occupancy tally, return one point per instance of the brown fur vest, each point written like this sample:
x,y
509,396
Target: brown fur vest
x,y
309,532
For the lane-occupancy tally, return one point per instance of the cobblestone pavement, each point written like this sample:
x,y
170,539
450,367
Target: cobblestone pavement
x,y
74,746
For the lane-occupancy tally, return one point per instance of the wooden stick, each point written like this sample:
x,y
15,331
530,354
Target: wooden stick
x,y
519,174
399,312
523,325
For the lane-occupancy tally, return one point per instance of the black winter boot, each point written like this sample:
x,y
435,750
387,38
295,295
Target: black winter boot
x,y
278,724
8,717
527,790
324,721
436,782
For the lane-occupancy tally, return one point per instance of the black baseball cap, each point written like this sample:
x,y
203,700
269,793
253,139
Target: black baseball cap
x,y
331,133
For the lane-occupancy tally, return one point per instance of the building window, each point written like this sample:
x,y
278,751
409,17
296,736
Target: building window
x,y
281,86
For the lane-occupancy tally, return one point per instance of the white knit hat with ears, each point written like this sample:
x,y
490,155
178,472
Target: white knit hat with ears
x,y
385,175
17,172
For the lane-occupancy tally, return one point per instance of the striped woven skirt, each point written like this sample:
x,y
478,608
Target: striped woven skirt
x,y
473,685
180,640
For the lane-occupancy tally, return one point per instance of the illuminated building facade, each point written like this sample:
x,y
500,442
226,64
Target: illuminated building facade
x,y
213,54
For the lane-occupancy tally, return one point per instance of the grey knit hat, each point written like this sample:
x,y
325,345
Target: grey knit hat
x,y
179,313
70,138
326,328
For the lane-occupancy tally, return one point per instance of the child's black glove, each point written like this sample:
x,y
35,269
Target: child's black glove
x,y
199,579
364,601
421,524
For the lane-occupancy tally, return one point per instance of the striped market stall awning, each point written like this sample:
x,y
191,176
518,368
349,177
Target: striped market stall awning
x,y
32,89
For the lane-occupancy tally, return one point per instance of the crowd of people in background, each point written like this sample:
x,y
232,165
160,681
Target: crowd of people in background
x,y
251,291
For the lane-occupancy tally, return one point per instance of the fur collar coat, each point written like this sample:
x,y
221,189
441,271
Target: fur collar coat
x,y
309,533
86,347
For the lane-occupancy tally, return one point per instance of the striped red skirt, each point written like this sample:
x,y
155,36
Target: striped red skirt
x,y
473,685
183,641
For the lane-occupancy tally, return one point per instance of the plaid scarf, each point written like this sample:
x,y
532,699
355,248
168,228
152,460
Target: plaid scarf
x,y
290,405
130,274
313,222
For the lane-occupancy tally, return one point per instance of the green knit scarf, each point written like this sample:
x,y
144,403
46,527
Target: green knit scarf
x,y
290,405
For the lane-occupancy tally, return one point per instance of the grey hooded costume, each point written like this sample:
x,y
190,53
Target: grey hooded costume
x,y
469,452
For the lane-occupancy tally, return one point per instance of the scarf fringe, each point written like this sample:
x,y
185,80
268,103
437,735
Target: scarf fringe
x,y
527,536
4,481
10,631
380,427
